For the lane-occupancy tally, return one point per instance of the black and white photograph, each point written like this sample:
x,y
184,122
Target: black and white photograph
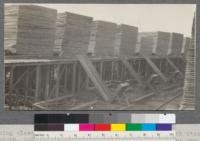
x,y
99,57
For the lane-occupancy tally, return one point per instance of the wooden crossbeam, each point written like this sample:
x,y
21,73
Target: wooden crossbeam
x,y
84,105
155,68
173,66
94,77
20,78
132,71
49,101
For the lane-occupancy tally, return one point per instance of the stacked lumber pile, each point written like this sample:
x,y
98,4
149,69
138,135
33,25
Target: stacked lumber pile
x,y
102,39
176,43
147,42
163,40
156,43
126,40
186,44
72,33
29,30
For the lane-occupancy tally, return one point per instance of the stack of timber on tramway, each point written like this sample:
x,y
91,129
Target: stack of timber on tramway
x,y
160,43
186,44
29,30
126,40
154,43
102,38
72,33
176,44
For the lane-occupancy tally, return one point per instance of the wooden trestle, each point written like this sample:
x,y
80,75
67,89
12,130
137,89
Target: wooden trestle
x,y
44,79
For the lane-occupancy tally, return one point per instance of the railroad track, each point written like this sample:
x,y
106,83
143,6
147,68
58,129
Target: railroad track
x,y
156,101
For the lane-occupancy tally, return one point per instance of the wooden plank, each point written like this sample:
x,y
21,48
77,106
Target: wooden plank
x,y
15,60
131,70
66,78
27,83
74,78
144,97
11,84
101,69
52,100
39,107
79,78
118,71
20,78
59,75
47,86
155,68
56,93
112,71
57,85
173,66
37,82
84,105
94,77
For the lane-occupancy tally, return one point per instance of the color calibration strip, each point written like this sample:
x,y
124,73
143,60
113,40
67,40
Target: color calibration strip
x,y
104,118
118,122
104,127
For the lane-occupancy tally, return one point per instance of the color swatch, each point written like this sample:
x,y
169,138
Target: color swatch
x,y
118,127
102,127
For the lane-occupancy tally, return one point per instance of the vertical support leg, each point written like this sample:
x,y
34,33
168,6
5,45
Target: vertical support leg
x,y
57,85
11,81
122,72
79,78
27,83
47,86
37,82
11,84
101,70
112,71
160,64
74,78
66,78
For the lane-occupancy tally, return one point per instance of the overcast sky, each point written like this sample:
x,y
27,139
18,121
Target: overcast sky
x,y
148,17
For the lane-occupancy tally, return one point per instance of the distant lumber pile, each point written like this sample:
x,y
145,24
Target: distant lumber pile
x,y
176,44
160,43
